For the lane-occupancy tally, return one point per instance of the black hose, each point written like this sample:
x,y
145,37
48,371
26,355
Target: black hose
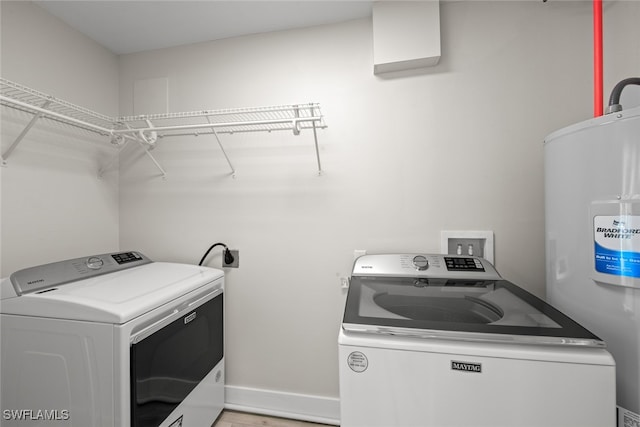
x,y
227,254
614,99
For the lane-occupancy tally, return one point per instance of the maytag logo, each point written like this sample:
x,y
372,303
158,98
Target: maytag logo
x,y
466,366
190,317
33,282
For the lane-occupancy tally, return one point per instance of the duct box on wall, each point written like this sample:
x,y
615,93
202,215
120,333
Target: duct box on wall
x,y
406,35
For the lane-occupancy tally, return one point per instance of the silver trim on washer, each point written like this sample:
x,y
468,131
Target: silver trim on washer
x,y
471,336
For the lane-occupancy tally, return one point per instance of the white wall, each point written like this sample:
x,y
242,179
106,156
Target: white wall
x,y
53,205
458,146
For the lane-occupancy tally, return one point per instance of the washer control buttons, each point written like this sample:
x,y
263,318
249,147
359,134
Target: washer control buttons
x,y
420,262
95,263
126,257
463,264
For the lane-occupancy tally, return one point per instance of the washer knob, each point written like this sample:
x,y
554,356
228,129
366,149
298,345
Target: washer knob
x,y
420,262
95,263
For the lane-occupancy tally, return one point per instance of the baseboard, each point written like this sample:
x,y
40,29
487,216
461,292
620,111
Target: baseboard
x,y
318,409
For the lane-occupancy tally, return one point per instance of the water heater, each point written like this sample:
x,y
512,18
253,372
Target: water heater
x,y
592,195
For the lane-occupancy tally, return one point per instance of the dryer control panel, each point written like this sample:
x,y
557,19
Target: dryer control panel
x,y
43,277
425,265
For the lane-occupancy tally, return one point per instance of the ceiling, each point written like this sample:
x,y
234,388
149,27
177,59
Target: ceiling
x,y
134,26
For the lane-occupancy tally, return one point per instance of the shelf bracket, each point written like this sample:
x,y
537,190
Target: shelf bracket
x,y
27,128
146,140
148,137
295,124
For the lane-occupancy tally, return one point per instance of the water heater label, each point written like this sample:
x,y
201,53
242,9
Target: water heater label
x,y
617,245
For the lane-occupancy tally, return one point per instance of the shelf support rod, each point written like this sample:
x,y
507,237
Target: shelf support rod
x,y
233,171
153,159
27,128
315,139
108,164
147,140
143,142
120,140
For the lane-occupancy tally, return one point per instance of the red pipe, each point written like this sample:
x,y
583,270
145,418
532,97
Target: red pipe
x,y
597,58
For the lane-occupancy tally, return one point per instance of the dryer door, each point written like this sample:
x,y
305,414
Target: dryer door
x,y
169,361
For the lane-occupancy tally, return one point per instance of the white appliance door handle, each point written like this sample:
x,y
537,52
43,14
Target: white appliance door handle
x,y
203,299
173,315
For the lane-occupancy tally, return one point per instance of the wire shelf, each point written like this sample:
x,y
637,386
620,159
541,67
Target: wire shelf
x,y
257,119
29,100
146,129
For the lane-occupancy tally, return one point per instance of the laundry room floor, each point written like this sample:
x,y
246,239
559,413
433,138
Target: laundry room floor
x,y
243,419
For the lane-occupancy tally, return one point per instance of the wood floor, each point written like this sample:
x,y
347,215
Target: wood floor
x,y
243,419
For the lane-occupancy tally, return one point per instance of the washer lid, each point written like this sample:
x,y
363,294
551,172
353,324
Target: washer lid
x,y
470,310
114,297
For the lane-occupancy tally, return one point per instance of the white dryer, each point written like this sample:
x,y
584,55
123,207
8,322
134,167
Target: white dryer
x,y
443,340
112,340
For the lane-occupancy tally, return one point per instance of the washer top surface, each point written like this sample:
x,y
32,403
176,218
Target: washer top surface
x,y
451,297
115,296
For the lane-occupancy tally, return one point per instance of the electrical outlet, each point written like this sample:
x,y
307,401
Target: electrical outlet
x,y
474,243
236,259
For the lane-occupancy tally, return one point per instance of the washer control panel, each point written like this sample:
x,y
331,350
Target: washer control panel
x,y
43,277
425,265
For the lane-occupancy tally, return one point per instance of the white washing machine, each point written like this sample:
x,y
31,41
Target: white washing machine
x,y
112,340
443,340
